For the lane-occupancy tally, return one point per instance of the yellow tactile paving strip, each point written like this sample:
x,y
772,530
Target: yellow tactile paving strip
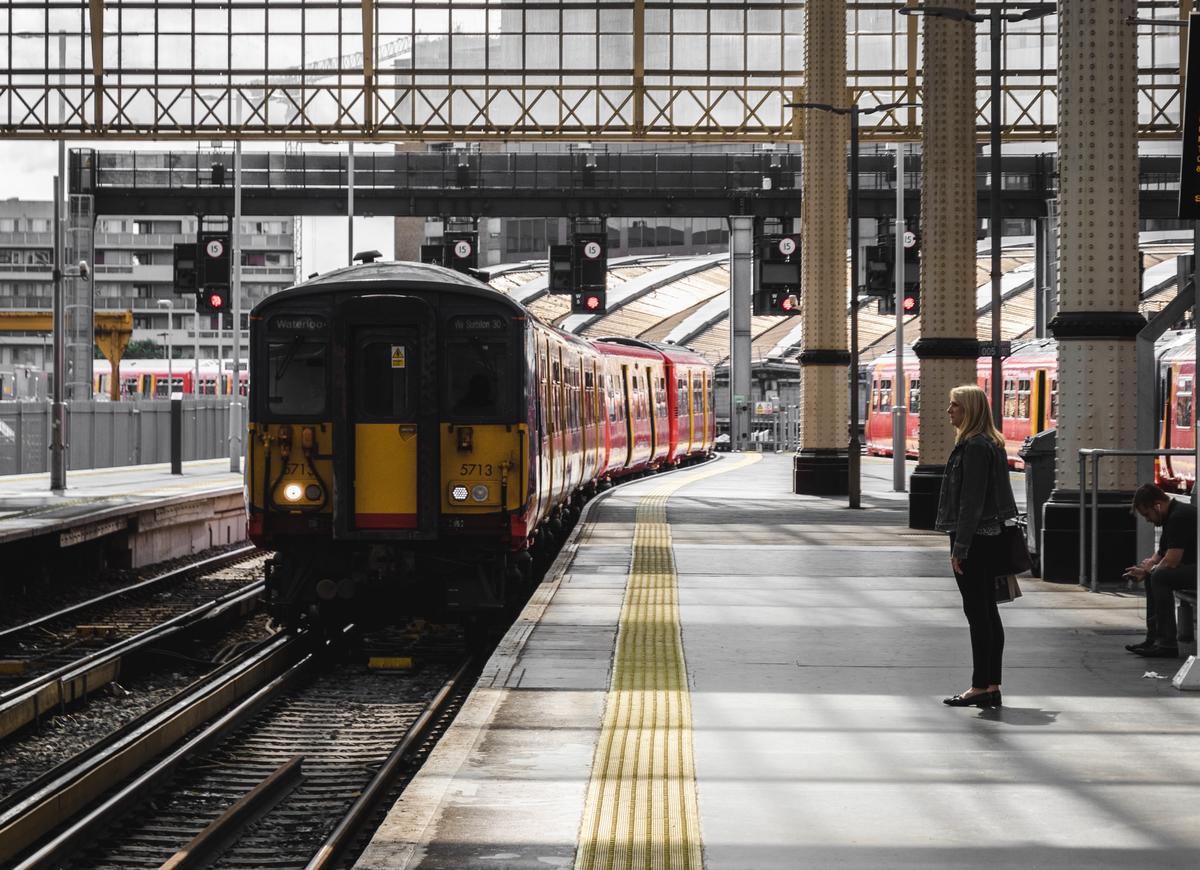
x,y
641,809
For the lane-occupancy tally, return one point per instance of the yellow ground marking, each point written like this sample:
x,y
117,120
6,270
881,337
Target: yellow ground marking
x,y
390,663
641,810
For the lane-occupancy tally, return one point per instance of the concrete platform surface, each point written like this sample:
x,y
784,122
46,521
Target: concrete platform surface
x,y
818,643
28,508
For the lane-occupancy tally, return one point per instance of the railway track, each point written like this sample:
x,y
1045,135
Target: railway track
x,y
58,659
333,732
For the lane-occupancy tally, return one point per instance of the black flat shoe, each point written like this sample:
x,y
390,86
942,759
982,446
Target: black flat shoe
x,y
1135,647
1158,652
983,699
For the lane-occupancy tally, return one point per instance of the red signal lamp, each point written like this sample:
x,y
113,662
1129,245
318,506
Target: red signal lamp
x,y
216,300
910,302
592,302
788,302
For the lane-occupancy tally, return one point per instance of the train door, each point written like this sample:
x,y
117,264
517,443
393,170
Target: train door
x,y
384,376
652,408
630,411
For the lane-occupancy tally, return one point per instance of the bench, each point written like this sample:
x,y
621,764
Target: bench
x,y
1185,610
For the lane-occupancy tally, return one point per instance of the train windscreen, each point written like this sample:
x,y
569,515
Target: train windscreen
x,y
296,377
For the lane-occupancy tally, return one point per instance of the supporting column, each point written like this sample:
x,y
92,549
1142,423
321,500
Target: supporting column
x,y
948,347
1098,320
741,286
821,464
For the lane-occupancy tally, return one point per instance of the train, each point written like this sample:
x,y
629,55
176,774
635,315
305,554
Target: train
x,y
1030,401
154,379
419,443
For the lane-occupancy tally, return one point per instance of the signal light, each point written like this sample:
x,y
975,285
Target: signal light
x,y
212,300
910,303
589,302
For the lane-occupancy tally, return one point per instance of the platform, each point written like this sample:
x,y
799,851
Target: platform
x,y
161,515
798,722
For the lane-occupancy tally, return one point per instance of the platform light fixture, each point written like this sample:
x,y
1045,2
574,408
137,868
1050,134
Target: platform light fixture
x,y
995,16
854,461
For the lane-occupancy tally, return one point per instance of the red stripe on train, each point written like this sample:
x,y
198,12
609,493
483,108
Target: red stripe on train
x,y
385,521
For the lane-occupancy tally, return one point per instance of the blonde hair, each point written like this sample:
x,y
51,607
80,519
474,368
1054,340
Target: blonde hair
x,y
977,415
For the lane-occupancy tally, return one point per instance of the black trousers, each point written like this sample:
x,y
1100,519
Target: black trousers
x,y
977,585
1160,599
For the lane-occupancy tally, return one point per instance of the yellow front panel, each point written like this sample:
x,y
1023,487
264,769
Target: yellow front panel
x,y
268,474
491,456
385,475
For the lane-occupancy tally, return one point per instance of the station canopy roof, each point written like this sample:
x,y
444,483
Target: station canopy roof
x,y
685,300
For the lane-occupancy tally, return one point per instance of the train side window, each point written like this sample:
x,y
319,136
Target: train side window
x,y
296,375
885,394
1054,399
914,395
1024,389
1010,398
1183,402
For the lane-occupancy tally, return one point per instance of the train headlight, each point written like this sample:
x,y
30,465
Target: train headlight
x,y
459,493
312,492
293,492
479,492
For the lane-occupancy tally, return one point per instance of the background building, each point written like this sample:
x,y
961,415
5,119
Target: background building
x,y
132,271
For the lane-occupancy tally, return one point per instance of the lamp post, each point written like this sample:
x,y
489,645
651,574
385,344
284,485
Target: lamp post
x,y
854,460
994,16
170,306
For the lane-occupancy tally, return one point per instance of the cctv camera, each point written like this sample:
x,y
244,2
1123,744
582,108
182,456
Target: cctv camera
x,y
83,269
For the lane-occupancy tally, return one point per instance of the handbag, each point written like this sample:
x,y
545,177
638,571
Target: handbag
x,y
1007,588
1014,555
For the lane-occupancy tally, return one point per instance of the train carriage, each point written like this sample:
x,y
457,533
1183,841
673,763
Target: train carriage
x,y
1030,401
418,439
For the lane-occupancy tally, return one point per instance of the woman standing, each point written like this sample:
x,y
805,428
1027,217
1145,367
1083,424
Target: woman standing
x,y
975,501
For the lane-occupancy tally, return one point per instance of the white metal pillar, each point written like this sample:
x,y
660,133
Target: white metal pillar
x,y
900,387
821,464
741,286
948,346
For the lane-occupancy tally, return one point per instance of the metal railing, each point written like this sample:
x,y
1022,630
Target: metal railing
x,y
1088,575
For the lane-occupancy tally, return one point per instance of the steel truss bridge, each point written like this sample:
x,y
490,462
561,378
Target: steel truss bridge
x,y
426,70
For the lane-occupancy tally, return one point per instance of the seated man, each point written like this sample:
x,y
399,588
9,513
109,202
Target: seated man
x,y
1172,567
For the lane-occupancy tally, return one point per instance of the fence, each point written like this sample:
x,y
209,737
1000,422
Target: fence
x,y
106,434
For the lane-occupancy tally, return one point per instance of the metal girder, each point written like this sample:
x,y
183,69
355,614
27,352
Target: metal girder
x,y
478,70
538,184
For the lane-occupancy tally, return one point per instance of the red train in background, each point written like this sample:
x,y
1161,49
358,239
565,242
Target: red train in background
x,y
1030,397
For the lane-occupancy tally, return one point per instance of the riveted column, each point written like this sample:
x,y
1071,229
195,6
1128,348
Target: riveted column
x,y
821,463
948,347
1097,320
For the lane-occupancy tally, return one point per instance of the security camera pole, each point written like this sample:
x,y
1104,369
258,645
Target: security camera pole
x,y
58,410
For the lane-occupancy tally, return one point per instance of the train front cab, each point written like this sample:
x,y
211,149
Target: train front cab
x,y
388,445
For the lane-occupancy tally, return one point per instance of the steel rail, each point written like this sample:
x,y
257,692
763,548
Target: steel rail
x,y
24,704
225,703
141,586
336,843
203,849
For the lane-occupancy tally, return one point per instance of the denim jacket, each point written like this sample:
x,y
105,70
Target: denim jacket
x,y
975,491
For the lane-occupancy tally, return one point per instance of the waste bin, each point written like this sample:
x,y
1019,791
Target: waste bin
x,y
1038,455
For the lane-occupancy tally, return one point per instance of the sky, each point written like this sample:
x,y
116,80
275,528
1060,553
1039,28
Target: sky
x,y
28,173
